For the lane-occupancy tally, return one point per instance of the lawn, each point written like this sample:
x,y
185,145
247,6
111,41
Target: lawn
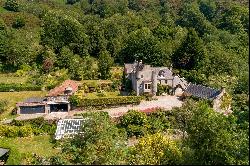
x,y
5,78
2,10
14,97
40,145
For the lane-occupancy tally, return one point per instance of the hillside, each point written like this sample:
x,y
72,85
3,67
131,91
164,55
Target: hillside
x,y
47,35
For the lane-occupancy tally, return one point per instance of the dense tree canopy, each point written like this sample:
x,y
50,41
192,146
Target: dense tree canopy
x,y
204,35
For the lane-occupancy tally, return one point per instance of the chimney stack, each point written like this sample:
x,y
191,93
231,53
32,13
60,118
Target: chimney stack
x,y
171,67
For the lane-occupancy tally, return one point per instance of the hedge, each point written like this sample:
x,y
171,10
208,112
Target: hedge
x,y
26,128
19,87
105,101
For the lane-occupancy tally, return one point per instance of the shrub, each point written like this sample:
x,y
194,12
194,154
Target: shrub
x,y
72,1
138,131
158,121
36,126
162,89
135,123
132,93
12,5
18,23
9,131
148,96
101,94
25,131
3,105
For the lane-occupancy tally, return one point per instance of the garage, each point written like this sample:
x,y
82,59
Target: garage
x,y
58,107
32,109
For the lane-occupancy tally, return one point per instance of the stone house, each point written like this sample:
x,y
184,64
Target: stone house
x,y
55,101
145,78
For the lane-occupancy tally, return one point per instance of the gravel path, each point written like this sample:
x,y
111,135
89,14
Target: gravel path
x,y
167,102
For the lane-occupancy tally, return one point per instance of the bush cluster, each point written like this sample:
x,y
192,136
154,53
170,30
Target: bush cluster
x,y
26,128
163,89
139,124
18,87
15,131
148,96
105,101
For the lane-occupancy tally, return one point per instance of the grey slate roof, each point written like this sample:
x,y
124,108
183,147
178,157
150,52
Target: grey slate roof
x,y
166,73
129,67
3,151
34,100
202,91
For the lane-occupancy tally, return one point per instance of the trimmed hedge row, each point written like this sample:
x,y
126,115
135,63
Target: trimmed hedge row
x,y
105,101
18,87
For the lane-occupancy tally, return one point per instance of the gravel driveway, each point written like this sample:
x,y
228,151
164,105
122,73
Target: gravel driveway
x,y
167,102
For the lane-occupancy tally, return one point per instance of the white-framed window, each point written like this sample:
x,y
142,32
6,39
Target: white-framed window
x,y
147,86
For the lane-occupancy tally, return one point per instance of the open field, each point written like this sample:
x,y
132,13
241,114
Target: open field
x,y
14,97
5,78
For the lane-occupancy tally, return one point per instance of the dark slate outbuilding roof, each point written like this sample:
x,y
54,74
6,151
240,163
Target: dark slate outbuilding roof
x,y
34,100
3,151
202,91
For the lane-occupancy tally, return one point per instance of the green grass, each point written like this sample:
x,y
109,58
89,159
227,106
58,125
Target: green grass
x,y
2,10
40,145
14,97
5,78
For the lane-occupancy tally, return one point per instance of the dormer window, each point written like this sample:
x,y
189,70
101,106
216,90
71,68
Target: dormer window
x,y
68,90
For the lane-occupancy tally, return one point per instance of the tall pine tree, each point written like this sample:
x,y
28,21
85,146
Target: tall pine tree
x,y
190,54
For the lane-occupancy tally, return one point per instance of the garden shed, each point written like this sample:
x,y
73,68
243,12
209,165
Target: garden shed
x,y
4,153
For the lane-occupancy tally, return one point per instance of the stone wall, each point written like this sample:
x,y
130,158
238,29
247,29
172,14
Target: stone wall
x,y
218,102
